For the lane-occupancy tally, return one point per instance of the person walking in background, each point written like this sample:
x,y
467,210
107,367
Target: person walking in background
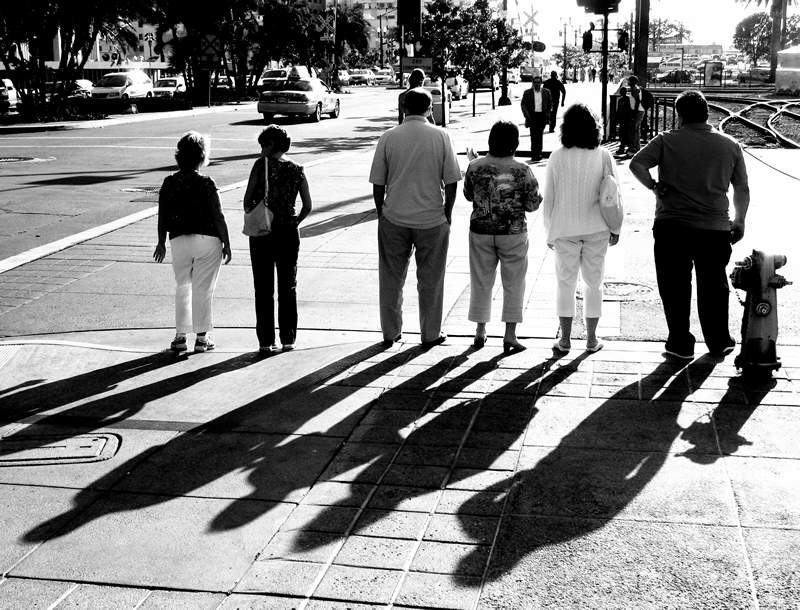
x,y
414,175
536,107
696,166
575,228
634,124
622,115
276,253
501,189
189,212
557,93
415,79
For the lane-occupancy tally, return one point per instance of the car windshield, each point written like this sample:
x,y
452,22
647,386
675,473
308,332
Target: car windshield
x,y
166,82
118,80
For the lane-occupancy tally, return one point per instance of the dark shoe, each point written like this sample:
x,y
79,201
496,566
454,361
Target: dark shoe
x,y
178,345
678,355
387,343
721,353
437,341
512,348
479,341
287,347
268,349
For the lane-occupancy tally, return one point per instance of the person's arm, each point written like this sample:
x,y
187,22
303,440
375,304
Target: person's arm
x,y
450,191
219,221
643,160
524,104
305,197
378,195
161,246
563,92
249,192
741,201
548,201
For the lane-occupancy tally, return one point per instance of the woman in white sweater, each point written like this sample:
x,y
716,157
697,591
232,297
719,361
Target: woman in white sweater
x,y
575,228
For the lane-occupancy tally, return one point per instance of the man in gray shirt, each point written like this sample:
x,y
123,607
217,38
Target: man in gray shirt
x,y
414,175
696,166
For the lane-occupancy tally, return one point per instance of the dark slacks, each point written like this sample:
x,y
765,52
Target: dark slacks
x,y
677,249
276,252
553,112
537,124
395,245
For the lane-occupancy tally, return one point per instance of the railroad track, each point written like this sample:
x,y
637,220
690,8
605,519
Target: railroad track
x,y
774,124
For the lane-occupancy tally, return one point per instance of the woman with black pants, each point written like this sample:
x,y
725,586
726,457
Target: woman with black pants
x,y
277,251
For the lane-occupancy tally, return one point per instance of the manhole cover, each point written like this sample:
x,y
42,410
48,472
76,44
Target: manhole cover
x,y
37,450
625,291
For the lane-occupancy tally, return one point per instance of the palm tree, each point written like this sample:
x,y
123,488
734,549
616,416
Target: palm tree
x,y
777,13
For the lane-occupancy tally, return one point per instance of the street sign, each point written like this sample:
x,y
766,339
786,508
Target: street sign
x,y
424,63
538,46
210,47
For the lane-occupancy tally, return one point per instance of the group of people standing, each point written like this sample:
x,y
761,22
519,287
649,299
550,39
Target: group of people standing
x,y
415,175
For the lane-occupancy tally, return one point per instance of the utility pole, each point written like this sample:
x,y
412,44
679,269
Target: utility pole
x,y
564,63
604,74
642,39
380,33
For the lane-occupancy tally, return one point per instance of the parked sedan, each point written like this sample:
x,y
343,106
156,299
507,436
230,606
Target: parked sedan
x,y
171,86
675,76
362,76
343,77
307,97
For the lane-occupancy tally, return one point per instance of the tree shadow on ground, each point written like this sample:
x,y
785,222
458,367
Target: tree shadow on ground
x,y
245,439
597,469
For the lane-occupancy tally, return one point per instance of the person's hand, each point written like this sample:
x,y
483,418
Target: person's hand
x,y
661,189
551,246
226,253
449,218
613,239
160,252
737,230
562,104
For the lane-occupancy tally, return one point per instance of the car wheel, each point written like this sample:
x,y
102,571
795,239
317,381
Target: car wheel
x,y
316,116
148,94
125,97
268,116
335,111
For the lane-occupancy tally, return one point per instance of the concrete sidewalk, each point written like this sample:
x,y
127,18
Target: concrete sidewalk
x,y
343,475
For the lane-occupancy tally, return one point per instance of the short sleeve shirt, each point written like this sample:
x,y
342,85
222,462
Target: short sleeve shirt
x,y
698,164
501,190
414,161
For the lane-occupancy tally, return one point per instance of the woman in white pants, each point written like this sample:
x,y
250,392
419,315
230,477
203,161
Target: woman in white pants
x,y
501,190
575,228
189,211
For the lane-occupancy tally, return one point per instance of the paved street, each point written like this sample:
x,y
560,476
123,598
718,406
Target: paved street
x,y
343,475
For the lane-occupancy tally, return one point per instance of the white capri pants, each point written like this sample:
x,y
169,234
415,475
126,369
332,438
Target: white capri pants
x,y
587,253
485,251
195,260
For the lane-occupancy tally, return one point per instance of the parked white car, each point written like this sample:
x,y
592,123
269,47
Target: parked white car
x,y
9,98
384,76
170,86
123,85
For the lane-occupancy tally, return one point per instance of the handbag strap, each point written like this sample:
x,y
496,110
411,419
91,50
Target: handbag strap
x,y
266,180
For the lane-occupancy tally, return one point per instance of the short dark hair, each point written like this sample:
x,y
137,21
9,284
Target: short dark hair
x,y
633,80
537,77
580,127
692,107
192,151
503,139
416,78
417,101
554,74
276,135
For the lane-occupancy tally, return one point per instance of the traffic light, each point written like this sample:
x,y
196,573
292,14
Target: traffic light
x,y
599,7
409,15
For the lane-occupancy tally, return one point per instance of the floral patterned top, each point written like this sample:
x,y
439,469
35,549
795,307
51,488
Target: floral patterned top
x,y
501,189
285,179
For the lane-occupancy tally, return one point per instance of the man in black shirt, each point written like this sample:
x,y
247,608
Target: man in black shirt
x,y
557,91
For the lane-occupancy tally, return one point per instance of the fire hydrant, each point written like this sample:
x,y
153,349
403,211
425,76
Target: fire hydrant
x,y
756,276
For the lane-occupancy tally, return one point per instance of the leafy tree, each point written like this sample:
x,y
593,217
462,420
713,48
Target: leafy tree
x,y
778,25
752,36
663,29
440,34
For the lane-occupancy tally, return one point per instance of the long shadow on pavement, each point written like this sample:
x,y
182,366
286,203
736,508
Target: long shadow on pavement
x,y
279,463
597,469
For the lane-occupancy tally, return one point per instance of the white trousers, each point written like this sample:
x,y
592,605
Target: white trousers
x,y
586,253
195,260
485,251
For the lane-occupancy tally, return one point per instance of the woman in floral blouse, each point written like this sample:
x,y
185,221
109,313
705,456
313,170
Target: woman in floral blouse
x,y
501,189
277,251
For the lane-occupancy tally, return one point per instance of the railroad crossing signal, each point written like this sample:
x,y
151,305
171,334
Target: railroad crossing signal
x,y
149,37
529,23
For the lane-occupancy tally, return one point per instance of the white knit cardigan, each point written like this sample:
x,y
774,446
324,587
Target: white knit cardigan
x,y
571,191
